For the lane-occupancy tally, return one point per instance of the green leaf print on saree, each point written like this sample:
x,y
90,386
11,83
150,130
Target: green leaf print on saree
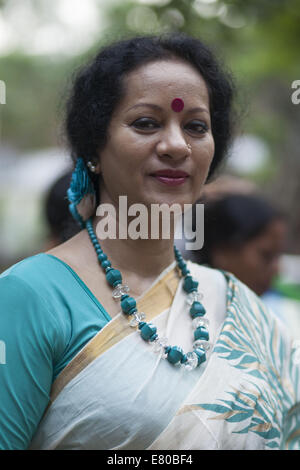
x,y
250,341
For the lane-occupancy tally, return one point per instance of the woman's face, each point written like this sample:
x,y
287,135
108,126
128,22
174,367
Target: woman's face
x,y
146,136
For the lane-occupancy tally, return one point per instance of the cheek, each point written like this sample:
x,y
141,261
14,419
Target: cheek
x,y
208,147
211,149
256,265
206,154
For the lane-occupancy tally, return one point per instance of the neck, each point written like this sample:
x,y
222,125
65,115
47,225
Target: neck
x,y
144,258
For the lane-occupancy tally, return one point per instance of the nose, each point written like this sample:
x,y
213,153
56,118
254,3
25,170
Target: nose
x,y
173,144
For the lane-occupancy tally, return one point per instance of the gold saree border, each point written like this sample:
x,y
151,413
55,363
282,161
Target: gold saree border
x,y
159,298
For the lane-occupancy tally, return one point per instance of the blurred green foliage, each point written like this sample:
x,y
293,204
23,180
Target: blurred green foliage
x,y
258,39
261,52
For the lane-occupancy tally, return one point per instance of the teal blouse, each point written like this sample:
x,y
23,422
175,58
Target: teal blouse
x,y
47,314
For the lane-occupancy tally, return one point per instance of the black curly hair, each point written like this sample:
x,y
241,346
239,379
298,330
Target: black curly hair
x,y
99,87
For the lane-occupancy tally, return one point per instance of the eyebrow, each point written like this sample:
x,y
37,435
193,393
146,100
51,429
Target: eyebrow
x,y
159,108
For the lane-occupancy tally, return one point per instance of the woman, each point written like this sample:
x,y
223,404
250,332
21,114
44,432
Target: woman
x,y
150,119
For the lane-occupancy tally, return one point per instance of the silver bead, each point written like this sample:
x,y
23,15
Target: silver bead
x,y
119,291
202,343
159,344
192,361
200,321
136,319
164,355
194,297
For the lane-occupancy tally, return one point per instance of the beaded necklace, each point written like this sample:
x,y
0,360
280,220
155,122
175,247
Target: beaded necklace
x,y
174,354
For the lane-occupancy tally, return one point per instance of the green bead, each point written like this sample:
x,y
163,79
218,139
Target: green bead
x,y
176,251
181,264
201,333
153,337
114,277
102,257
106,264
175,355
189,284
185,271
128,304
197,310
147,331
201,355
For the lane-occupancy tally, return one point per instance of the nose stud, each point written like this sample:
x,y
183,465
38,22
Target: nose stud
x,y
189,146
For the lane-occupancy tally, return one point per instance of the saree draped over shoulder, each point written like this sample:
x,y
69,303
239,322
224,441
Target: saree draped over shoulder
x,y
117,393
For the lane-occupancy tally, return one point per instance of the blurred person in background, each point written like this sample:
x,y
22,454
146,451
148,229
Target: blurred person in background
x,y
226,184
244,234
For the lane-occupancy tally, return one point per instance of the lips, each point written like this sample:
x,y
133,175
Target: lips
x,y
171,173
170,177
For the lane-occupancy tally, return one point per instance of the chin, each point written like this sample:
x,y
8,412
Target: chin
x,y
169,199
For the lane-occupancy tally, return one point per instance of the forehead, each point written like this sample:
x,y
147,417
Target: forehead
x,y
166,80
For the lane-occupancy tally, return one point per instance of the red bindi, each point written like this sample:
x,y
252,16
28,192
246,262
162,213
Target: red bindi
x,y
177,105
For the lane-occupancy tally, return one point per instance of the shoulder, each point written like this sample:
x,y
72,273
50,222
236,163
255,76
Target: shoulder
x,y
32,277
30,294
42,275
24,276
23,286
29,268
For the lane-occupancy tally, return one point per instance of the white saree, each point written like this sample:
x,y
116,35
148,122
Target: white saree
x,y
117,394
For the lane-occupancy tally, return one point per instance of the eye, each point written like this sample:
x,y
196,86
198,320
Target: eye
x,y
198,127
145,124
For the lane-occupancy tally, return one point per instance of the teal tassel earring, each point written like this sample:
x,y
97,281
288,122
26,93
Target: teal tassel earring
x,y
81,194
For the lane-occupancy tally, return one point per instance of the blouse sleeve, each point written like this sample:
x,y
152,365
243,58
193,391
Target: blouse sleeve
x,y
29,343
